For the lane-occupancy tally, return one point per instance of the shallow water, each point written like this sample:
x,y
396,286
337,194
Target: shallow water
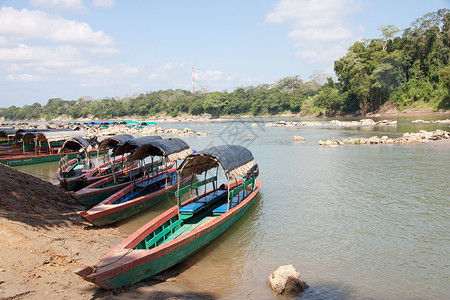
x,y
358,221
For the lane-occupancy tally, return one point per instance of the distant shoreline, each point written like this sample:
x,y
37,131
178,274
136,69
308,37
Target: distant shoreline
x,y
207,117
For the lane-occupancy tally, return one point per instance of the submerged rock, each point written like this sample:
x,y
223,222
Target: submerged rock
x,y
286,281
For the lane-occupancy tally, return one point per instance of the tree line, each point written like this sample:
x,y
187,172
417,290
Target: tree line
x,y
409,71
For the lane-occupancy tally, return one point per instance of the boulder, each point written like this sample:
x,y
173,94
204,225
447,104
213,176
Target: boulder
x,y
298,138
286,281
367,122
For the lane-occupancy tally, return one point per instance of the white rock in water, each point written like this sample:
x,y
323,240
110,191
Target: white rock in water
x,y
286,280
298,138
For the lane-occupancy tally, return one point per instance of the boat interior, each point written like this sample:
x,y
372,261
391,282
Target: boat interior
x,y
201,209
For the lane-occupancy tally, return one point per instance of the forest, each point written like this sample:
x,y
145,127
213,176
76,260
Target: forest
x,y
410,70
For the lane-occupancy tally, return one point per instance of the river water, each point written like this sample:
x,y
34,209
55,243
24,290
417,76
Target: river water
x,y
357,221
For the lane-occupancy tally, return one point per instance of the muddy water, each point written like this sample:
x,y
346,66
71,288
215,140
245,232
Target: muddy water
x,y
359,222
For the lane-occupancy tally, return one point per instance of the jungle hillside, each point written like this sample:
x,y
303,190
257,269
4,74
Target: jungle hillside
x,y
407,69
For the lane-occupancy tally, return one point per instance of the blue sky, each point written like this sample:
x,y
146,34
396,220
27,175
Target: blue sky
x,y
109,48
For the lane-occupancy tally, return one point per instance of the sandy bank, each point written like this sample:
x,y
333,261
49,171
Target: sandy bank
x,y
44,242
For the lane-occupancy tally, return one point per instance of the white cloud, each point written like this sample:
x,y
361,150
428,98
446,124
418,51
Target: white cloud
x,y
98,75
319,27
68,5
25,77
103,3
41,59
59,45
26,24
210,75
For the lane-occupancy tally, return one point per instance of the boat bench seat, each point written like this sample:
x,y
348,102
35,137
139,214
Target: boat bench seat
x,y
191,208
235,201
152,180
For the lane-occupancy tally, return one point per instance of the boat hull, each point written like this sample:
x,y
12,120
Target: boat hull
x,y
20,160
72,183
125,265
89,196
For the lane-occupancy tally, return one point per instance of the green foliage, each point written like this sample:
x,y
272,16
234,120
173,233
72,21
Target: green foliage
x,y
404,70
411,71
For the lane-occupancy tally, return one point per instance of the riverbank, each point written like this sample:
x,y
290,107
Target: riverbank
x,y
385,112
44,242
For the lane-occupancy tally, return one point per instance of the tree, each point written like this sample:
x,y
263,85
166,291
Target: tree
x,y
388,32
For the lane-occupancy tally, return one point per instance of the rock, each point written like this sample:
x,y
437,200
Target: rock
x,y
255,125
386,123
368,122
188,130
407,138
286,281
298,138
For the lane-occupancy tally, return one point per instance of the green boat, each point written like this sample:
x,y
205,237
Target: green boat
x,y
187,227
45,147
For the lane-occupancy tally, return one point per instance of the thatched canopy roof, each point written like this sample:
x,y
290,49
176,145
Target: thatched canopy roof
x,y
114,141
171,148
76,144
52,136
235,161
132,144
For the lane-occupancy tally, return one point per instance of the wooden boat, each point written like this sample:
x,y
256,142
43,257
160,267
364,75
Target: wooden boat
x,y
114,167
100,190
146,191
39,147
71,172
187,227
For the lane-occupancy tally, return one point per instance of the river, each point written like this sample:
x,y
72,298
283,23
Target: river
x,y
357,221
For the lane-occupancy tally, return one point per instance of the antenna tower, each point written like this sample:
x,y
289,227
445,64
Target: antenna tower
x,y
193,79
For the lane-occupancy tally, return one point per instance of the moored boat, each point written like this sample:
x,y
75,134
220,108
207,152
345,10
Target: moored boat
x,y
70,173
98,191
121,146
158,185
191,225
39,147
109,164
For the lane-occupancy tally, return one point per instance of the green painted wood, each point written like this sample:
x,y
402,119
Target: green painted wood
x,y
34,160
170,259
195,185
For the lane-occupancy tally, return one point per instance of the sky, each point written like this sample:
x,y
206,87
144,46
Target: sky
x,y
71,49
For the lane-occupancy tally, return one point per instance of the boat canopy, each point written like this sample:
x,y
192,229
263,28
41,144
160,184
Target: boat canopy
x,y
4,132
75,144
52,136
235,161
171,148
132,144
147,123
20,133
114,141
130,122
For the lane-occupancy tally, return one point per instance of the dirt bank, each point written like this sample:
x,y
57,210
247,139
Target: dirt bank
x,y
43,241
